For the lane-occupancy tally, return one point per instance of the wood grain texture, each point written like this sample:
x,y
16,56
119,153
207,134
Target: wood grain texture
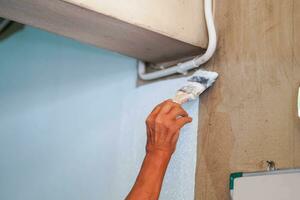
x,y
250,115
97,29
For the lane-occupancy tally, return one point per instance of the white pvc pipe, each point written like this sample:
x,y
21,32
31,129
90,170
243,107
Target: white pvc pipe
x,y
191,64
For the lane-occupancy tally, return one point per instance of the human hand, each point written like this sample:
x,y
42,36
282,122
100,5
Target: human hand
x,y
163,126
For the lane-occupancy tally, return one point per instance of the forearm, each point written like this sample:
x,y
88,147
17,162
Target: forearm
x,y
150,178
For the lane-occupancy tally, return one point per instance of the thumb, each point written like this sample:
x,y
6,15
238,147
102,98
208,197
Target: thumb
x,y
182,121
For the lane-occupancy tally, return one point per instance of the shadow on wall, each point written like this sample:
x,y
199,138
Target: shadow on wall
x,y
8,28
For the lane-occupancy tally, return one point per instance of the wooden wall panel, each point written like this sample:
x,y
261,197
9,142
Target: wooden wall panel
x,y
249,116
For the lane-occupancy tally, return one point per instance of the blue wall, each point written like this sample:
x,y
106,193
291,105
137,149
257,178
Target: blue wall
x,y
60,104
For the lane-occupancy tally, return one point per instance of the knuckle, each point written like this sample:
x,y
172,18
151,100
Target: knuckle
x,y
182,110
169,102
149,120
164,122
159,120
177,105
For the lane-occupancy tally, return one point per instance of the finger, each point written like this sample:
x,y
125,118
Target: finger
x,y
157,108
182,121
177,111
167,106
179,124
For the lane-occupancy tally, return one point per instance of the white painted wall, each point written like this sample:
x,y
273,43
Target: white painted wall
x,y
72,122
